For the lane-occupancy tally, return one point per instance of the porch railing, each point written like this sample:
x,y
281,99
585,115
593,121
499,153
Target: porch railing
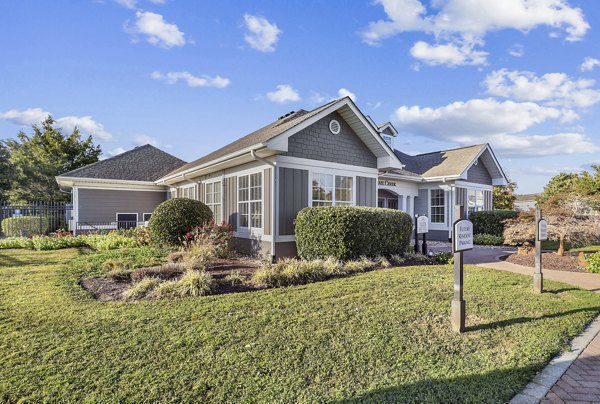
x,y
105,227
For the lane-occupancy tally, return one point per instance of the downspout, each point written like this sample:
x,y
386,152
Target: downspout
x,y
273,199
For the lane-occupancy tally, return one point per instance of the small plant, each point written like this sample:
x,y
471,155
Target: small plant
x,y
383,262
361,265
333,267
443,258
416,257
119,274
397,259
164,272
488,239
195,283
199,255
141,289
593,262
234,278
176,256
16,242
166,290
219,235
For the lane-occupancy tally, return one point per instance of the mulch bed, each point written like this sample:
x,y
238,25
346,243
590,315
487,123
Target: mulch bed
x,y
108,289
549,261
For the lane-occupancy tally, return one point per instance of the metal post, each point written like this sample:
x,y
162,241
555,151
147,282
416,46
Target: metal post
x,y
538,277
424,246
416,235
458,303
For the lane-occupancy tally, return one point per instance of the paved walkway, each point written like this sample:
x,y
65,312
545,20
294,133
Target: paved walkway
x,y
573,377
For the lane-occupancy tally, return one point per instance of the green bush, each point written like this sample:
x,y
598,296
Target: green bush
x,y
348,232
487,239
594,263
45,243
16,242
491,221
25,226
110,241
172,219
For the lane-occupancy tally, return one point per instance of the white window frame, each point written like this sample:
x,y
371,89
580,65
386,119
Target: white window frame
x,y
477,207
442,223
252,231
333,173
386,138
194,187
137,218
144,217
213,204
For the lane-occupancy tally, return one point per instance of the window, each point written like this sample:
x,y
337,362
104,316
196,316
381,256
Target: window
x,y
126,220
475,200
147,217
172,193
212,193
438,206
250,200
388,140
188,192
328,190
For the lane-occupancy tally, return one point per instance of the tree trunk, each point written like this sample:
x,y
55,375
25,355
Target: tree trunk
x,y
561,249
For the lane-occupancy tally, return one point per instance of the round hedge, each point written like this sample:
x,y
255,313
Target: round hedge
x,y
348,232
173,218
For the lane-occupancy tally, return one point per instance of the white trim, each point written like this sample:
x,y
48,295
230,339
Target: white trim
x,y
286,238
122,189
251,232
144,217
495,181
308,164
214,181
334,173
258,237
474,185
75,218
247,171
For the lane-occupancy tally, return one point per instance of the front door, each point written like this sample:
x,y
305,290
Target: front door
x,y
392,203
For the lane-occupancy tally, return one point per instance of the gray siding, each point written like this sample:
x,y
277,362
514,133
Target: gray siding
x,y
479,174
487,200
102,205
230,201
267,201
366,191
316,142
461,196
293,196
422,203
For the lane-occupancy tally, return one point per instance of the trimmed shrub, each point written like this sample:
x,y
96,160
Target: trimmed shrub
x,y
173,219
593,262
491,221
487,239
349,232
25,226
46,243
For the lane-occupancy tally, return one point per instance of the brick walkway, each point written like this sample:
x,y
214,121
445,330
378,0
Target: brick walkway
x,y
581,381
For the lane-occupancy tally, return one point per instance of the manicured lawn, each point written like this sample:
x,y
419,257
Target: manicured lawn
x,y
589,248
553,245
381,336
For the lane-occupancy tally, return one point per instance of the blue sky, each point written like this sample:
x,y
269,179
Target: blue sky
x,y
191,76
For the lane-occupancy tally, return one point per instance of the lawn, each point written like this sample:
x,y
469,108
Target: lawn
x,y
378,336
553,245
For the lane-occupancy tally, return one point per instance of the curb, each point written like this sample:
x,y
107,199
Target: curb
x,y
537,389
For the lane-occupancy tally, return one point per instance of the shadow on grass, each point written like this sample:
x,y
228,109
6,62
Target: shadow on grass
x,y
557,291
7,260
521,320
498,386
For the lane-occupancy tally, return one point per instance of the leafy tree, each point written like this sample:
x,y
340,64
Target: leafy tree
x,y
589,182
563,183
503,196
38,158
6,171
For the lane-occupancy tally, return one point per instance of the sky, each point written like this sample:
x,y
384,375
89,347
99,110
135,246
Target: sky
x,y
192,76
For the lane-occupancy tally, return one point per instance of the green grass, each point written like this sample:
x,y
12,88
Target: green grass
x,y
378,336
553,245
589,248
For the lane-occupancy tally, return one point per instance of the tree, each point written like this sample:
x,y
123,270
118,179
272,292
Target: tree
x,y
570,217
563,183
503,196
6,171
38,158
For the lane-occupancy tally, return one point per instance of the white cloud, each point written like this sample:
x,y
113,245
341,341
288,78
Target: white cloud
x,y
262,35
449,54
141,140
157,31
343,92
554,89
35,116
589,64
517,50
191,80
317,98
465,23
284,93
499,123
131,4
114,152
28,117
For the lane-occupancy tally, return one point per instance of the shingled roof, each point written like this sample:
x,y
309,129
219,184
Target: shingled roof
x,y
440,163
144,163
259,136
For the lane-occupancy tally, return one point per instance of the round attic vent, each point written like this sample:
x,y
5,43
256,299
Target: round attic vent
x,y
334,126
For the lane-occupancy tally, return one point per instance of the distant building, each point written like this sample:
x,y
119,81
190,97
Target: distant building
x,y
525,202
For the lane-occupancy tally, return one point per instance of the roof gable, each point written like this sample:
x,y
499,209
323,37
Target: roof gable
x,y
143,163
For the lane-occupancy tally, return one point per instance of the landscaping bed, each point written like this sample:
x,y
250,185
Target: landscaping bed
x,y
568,262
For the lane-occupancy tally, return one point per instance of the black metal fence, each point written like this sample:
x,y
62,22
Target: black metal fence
x,y
33,218
105,227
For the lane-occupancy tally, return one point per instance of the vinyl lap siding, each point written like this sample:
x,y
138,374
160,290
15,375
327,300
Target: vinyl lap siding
x,y
102,205
366,191
422,203
293,196
230,201
267,201
479,174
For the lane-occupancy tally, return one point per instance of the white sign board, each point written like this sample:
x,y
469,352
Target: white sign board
x,y
542,230
463,235
422,225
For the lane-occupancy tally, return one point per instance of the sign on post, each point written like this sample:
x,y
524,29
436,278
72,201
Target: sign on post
x,y
463,235
542,230
422,225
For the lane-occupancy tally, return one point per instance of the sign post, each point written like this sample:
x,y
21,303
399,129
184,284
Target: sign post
x,y
416,234
541,234
423,228
462,240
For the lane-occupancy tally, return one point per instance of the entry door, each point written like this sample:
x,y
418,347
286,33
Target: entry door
x,y
381,203
392,204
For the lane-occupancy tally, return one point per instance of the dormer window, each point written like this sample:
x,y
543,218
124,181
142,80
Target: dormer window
x,y
389,140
